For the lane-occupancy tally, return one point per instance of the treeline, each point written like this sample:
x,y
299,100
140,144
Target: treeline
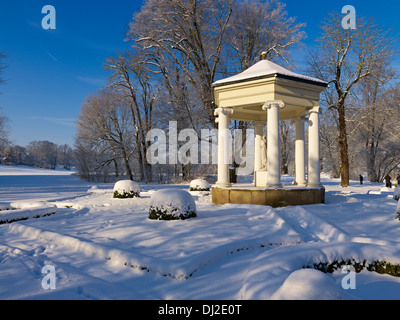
x,y
41,154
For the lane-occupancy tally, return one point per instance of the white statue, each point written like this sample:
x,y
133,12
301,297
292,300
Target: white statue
x,y
263,154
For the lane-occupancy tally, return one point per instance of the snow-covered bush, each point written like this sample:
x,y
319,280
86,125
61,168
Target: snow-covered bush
x,y
23,210
170,204
199,185
379,266
126,189
396,193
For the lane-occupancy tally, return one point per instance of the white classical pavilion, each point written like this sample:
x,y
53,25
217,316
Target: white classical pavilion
x,y
265,94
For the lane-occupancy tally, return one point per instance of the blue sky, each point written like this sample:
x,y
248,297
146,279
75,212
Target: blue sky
x,y
50,72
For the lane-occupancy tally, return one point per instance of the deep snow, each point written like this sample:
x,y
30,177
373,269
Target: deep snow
x,y
105,248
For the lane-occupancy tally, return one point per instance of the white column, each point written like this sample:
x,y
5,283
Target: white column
x,y
224,138
313,148
273,151
300,179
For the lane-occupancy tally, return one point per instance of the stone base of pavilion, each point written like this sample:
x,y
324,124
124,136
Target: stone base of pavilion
x,y
275,197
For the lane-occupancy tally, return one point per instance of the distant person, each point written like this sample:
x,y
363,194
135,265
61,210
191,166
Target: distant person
x,y
398,179
388,181
361,179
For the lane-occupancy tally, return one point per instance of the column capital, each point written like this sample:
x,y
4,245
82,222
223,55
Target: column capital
x,y
316,109
273,103
224,111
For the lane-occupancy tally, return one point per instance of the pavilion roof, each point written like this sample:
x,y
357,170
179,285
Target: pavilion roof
x,y
266,69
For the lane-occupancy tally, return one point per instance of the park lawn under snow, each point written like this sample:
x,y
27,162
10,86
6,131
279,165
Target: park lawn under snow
x,y
105,248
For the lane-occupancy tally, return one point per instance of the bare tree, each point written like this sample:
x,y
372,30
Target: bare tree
x,y
345,57
287,145
191,33
90,160
375,124
15,155
105,123
329,144
43,154
262,26
65,156
130,77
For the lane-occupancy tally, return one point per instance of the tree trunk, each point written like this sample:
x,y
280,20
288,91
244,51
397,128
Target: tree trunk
x,y
127,166
145,165
371,157
343,148
148,172
284,134
186,171
116,171
141,168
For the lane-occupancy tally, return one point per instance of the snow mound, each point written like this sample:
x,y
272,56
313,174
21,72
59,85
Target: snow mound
x,y
396,193
321,229
398,209
262,280
97,190
199,185
172,204
308,284
126,189
28,204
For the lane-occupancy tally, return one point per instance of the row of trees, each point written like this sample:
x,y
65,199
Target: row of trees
x,y
42,154
179,48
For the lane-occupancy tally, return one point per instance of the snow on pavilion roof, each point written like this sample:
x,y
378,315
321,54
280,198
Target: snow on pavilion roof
x,y
264,69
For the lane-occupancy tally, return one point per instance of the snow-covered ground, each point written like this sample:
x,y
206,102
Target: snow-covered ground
x,y
105,248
